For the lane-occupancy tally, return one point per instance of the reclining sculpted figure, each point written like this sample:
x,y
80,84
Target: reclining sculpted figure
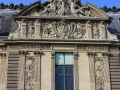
x,y
51,8
75,11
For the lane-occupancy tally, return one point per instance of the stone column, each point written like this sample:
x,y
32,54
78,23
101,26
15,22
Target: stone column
x,y
76,72
91,69
21,70
103,34
89,30
38,29
23,28
53,71
37,80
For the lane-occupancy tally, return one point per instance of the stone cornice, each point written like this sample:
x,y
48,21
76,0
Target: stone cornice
x,y
55,17
62,41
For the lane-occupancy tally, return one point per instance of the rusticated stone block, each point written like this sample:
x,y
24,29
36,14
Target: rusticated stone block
x,y
115,80
115,70
114,64
114,58
115,67
116,73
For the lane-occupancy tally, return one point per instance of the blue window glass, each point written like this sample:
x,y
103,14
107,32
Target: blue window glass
x,y
68,70
64,71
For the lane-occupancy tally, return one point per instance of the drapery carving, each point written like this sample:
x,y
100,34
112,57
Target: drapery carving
x,y
96,31
31,30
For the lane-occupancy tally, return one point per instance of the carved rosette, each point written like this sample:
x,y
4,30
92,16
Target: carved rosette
x,y
29,72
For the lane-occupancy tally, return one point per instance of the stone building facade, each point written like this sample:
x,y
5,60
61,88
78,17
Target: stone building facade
x,y
60,34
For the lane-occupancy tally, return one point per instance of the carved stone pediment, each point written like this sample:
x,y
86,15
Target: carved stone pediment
x,y
63,8
62,19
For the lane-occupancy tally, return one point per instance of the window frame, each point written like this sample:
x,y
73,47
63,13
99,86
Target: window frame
x,y
64,66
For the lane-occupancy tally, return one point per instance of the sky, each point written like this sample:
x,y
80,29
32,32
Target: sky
x,y
99,3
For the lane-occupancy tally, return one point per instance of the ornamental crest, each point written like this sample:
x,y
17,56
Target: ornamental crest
x,y
64,30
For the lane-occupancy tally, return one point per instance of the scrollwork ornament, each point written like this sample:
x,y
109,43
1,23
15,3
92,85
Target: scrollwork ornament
x,y
99,74
29,73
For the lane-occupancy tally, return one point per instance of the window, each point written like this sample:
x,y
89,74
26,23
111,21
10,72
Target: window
x,y
64,79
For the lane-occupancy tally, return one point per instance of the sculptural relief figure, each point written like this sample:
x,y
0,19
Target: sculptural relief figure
x,y
49,30
31,30
96,32
75,11
78,31
63,9
50,8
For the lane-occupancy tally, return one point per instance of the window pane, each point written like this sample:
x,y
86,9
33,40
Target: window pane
x,y
68,58
59,70
69,83
59,83
68,70
59,58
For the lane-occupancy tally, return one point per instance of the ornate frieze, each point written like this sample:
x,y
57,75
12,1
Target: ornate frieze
x,y
43,47
61,29
93,47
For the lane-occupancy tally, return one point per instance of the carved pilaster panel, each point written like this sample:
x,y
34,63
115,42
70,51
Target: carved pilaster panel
x,y
99,70
99,74
29,72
